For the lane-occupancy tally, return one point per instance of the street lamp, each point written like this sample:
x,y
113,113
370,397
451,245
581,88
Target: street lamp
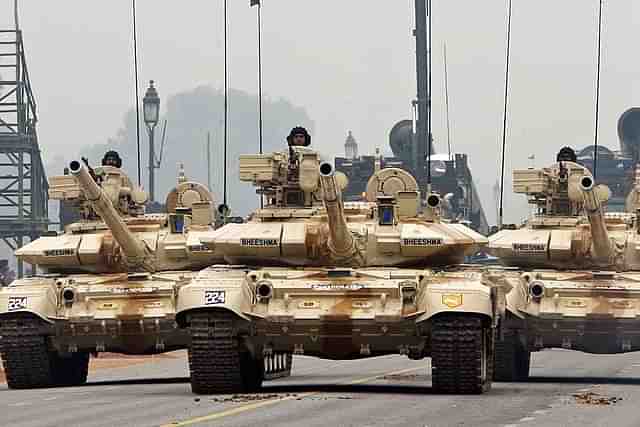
x,y
151,110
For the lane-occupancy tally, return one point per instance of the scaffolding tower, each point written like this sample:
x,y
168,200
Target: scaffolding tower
x,y
23,183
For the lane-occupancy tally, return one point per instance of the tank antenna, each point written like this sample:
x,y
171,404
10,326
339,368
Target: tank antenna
x,y
504,120
259,13
135,72
446,100
429,138
226,109
597,118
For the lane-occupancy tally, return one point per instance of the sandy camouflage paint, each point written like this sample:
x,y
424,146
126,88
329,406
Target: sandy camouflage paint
x,y
574,271
341,280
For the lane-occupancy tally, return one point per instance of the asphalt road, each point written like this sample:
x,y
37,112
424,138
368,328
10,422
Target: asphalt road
x,y
567,389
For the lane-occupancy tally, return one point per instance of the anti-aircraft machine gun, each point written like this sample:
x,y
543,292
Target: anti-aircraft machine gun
x,y
338,280
577,284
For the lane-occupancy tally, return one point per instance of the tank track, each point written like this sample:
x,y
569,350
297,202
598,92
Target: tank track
x,y
458,342
28,362
512,360
25,356
215,359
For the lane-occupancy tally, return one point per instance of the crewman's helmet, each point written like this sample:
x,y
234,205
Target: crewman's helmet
x,y
566,154
299,131
112,158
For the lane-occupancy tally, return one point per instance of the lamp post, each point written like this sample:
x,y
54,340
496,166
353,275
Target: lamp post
x,y
151,110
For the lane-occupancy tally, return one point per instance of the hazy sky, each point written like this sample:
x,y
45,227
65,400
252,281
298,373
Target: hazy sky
x,y
349,63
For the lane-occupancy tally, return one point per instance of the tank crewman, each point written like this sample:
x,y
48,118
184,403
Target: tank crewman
x,y
299,137
112,158
567,154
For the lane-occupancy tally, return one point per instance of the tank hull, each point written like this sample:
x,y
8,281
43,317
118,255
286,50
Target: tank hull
x,y
340,314
592,312
131,314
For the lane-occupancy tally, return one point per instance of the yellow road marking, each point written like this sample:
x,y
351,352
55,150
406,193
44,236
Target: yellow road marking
x,y
252,406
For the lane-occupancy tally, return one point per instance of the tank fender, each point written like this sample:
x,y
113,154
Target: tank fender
x,y
518,296
469,295
41,301
220,293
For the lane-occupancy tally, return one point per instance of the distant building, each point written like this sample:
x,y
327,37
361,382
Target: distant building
x,y
351,147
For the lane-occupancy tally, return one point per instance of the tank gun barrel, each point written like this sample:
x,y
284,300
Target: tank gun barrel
x,y
134,249
593,208
341,241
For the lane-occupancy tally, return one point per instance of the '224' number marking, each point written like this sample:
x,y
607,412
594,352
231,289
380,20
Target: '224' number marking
x,y
214,297
17,303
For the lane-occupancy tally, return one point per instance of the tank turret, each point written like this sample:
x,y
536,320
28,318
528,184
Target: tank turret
x,y
114,234
305,222
137,254
569,228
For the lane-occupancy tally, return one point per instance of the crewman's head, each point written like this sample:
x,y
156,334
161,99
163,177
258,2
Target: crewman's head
x,y
299,137
566,154
112,158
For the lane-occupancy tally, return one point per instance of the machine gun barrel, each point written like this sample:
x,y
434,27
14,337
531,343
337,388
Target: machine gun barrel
x,y
133,248
341,241
599,234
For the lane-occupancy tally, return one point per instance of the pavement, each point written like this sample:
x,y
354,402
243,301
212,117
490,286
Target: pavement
x,y
566,389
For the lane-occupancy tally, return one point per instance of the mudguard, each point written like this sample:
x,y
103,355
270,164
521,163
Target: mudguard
x,y
216,288
38,296
518,295
459,292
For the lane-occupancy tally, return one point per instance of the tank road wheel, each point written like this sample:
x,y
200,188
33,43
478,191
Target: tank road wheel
x,y
216,360
288,364
25,355
278,366
512,359
72,370
461,354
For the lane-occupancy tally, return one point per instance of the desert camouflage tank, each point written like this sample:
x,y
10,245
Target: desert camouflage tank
x,y
575,271
312,275
111,279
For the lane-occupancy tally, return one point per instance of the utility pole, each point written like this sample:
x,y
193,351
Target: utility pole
x,y
423,139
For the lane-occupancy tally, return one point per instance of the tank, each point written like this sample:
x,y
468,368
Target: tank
x,y
573,269
109,282
310,274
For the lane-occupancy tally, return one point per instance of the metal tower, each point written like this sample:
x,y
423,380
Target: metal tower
x,y
23,183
